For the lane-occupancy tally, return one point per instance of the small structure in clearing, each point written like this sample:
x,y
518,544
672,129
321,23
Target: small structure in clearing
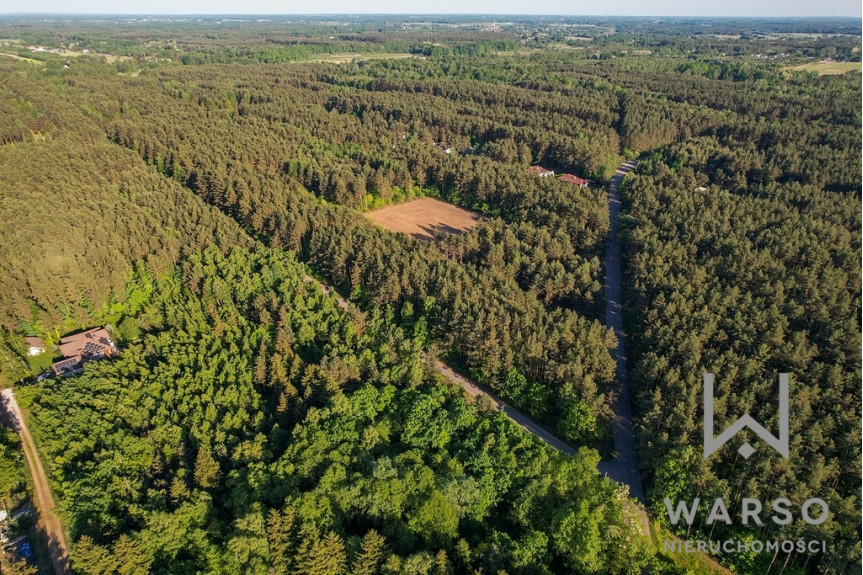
x,y
35,345
425,218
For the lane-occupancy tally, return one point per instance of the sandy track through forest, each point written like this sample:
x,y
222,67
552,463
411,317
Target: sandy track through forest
x,y
42,491
624,467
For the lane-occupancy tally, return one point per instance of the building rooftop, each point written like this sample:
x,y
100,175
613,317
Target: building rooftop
x,y
569,178
34,341
87,343
79,348
540,171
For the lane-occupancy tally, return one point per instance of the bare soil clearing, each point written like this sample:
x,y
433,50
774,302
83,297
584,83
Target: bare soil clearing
x,y
424,217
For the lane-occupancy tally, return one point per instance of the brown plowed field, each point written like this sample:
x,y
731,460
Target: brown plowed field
x,y
424,217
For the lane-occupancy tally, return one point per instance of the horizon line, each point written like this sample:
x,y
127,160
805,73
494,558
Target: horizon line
x,y
438,14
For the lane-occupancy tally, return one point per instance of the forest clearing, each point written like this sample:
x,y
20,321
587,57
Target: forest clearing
x,y
424,218
829,67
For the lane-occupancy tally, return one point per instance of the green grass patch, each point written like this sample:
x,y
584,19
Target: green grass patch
x,y
823,68
695,563
22,58
41,362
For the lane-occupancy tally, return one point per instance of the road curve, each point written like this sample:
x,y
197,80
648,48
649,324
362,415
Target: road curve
x,y
624,468
42,491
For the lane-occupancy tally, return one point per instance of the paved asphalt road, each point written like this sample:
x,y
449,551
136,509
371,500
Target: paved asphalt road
x,y
624,468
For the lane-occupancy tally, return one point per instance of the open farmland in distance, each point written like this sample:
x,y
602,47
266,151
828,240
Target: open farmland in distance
x,y
422,218
826,67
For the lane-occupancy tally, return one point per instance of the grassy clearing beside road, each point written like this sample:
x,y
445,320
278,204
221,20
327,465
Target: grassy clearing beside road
x,y
696,563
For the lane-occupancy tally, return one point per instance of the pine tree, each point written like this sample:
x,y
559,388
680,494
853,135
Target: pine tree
x,y
282,406
130,556
179,490
261,367
373,553
280,538
92,559
442,564
19,567
321,556
207,472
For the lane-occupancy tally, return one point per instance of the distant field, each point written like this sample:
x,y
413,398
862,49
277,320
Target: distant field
x,y
17,57
829,67
345,57
422,218
69,54
108,57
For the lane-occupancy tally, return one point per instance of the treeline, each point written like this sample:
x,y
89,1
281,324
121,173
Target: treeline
x,y
260,428
743,260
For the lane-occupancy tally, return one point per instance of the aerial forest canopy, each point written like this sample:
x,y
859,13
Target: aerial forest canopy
x,y
259,427
191,187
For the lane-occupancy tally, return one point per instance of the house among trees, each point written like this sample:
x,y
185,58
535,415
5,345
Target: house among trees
x,y
35,345
540,171
82,347
570,179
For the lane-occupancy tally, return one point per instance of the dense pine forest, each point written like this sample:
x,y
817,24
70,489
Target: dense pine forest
x,y
192,188
258,427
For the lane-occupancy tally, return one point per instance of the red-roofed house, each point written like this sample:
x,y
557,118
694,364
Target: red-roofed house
x,y
570,179
540,171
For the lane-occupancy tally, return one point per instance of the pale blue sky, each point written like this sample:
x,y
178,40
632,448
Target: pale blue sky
x,y
563,7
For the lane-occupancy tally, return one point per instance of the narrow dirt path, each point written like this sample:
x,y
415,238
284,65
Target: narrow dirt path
x,y
473,389
515,415
326,289
624,468
42,491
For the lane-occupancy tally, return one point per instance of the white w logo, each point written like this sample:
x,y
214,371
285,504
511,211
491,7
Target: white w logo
x,y
711,444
